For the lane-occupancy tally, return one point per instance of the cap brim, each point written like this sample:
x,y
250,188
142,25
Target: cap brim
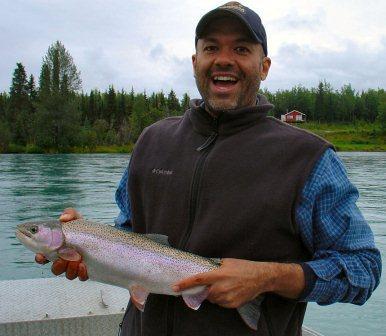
x,y
218,13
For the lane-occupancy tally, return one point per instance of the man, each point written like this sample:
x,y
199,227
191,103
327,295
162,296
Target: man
x,y
225,180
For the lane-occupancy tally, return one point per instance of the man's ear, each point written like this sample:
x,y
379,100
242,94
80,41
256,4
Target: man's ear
x,y
265,65
194,61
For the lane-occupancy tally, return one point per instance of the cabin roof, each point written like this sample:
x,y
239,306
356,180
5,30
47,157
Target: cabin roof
x,y
294,111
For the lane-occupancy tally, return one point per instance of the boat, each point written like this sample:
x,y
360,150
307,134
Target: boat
x,y
59,307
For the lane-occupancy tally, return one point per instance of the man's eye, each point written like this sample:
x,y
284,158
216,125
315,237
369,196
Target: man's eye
x,y
242,50
210,48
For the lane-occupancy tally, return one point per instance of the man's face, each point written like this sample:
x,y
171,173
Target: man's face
x,y
228,65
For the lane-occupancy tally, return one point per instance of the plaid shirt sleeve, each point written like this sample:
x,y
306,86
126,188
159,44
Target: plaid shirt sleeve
x,y
123,202
345,265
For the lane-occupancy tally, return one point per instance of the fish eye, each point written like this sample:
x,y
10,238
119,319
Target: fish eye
x,y
34,229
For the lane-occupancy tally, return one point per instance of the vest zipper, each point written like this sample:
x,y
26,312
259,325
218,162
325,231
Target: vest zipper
x,y
204,149
197,175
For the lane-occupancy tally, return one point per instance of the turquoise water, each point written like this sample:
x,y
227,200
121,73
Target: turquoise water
x,y
41,186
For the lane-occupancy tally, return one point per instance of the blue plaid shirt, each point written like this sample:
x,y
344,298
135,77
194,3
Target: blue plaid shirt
x,y
345,265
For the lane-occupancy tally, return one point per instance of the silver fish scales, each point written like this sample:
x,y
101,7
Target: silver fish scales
x,y
142,263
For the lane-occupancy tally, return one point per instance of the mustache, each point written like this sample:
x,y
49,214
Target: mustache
x,y
229,69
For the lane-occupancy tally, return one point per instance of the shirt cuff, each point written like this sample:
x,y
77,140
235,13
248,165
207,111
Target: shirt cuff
x,y
122,221
310,281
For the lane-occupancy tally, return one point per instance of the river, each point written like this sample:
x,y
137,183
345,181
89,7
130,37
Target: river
x,y
40,186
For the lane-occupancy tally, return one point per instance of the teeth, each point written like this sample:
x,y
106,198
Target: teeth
x,y
225,78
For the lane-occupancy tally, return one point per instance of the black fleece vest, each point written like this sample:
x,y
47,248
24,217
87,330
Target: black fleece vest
x,y
225,187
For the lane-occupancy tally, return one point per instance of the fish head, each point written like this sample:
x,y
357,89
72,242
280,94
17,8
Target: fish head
x,y
43,237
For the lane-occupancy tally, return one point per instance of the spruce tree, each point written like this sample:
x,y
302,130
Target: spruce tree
x,y
111,105
185,103
19,108
32,93
173,104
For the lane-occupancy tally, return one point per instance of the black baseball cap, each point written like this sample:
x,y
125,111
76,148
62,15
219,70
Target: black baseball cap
x,y
246,15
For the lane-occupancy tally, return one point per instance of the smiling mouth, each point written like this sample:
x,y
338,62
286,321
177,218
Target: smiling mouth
x,y
224,80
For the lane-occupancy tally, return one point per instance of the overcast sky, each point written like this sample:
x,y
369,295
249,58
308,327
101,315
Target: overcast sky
x,y
148,44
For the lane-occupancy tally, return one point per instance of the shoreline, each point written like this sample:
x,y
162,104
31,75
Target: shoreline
x,y
355,137
128,150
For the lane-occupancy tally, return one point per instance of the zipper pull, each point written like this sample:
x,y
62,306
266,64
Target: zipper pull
x,y
210,140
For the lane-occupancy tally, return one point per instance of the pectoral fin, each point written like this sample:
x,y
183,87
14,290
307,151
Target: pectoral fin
x,y
194,300
250,312
138,296
70,254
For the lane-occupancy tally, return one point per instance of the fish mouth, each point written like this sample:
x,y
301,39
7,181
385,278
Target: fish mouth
x,y
20,231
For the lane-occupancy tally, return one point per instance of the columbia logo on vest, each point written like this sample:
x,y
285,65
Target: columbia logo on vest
x,y
160,171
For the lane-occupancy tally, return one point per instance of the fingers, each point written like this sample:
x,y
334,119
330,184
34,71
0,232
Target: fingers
x,y
59,266
41,259
82,272
69,214
73,269
202,279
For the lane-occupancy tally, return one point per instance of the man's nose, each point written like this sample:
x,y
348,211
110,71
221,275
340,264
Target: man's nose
x,y
224,58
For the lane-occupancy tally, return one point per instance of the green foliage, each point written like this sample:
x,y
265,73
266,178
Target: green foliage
x,y
173,104
56,117
381,118
63,74
100,128
87,138
185,103
56,124
139,118
5,137
19,110
4,98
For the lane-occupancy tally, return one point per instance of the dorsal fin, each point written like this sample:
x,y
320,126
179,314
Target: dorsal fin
x,y
159,238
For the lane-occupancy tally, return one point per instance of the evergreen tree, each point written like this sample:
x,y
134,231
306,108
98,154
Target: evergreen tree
x,y
32,93
5,136
173,104
44,82
121,113
346,104
139,117
381,118
371,103
3,106
19,109
319,102
57,120
111,106
185,103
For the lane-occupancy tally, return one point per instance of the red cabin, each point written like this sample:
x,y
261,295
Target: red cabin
x,y
293,116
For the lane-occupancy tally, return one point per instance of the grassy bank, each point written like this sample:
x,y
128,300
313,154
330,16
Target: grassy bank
x,y
32,149
346,137
350,137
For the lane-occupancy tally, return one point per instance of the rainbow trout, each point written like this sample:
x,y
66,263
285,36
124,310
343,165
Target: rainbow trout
x,y
142,263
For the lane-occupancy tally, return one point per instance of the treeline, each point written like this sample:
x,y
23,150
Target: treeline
x,y
324,104
55,115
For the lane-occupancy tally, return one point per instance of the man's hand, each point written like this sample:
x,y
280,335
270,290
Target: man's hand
x,y
73,269
238,281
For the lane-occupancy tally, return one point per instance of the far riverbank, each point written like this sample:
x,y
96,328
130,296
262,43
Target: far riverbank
x,y
358,137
